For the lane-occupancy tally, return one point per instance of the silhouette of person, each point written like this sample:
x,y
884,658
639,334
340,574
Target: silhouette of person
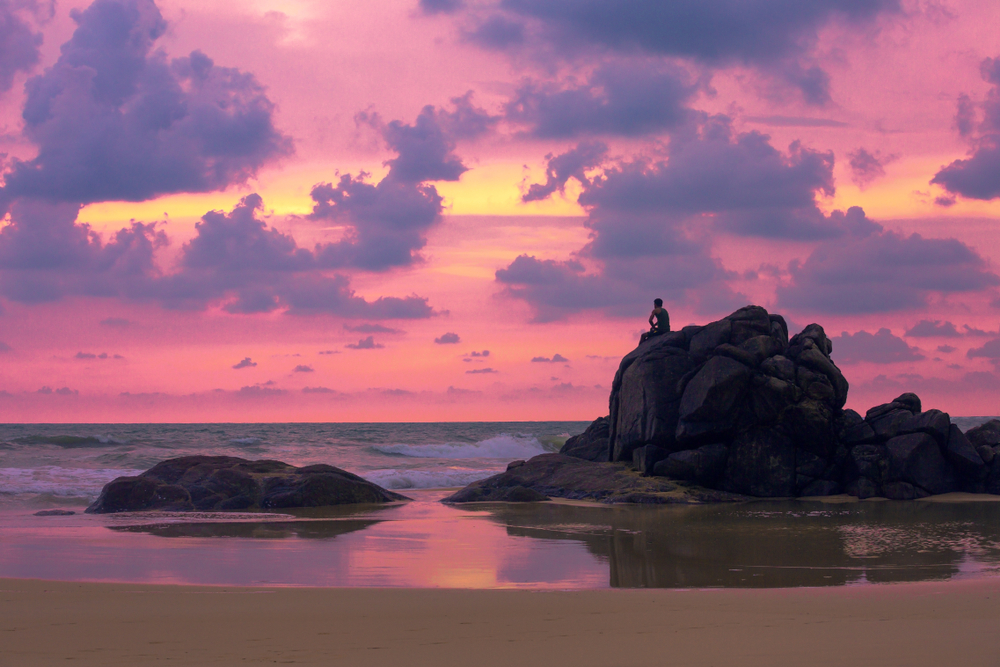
x,y
659,321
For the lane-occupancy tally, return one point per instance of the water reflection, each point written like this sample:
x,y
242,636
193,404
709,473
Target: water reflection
x,y
773,544
261,530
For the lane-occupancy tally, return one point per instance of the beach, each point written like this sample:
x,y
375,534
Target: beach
x,y
47,623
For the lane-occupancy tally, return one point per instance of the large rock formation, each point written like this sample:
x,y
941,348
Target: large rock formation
x,y
228,483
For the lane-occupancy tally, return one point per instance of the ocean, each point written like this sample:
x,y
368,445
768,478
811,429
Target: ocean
x,y
62,461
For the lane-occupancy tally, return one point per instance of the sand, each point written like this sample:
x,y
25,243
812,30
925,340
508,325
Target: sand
x,y
939,624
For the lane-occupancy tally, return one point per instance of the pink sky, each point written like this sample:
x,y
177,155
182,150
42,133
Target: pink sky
x,y
708,163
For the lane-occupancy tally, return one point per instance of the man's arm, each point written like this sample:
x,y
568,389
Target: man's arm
x,y
652,314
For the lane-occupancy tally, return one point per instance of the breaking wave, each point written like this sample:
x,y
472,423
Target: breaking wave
x,y
502,446
425,479
70,441
59,481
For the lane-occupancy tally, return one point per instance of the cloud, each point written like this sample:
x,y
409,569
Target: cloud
x,y
621,98
115,323
301,368
448,339
440,6
247,362
318,390
260,391
63,391
882,347
365,344
329,351
115,119
775,36
560,168
882,271
484,353
481,371
372,328
92,355
990,350
387,221
946,349
978,176
866,168
4,347
19,42
929,329
555,359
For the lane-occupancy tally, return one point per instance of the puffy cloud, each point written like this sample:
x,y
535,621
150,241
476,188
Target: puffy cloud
x,y
63,391
387,221
990,350
448,339
881,271
247,362
318,390
555,359
474,353
19,42
440,6
882,347
560,168
978,176
481,371
775,36
866,168
115,119
620,98
365,344
946,349
301,368
935,328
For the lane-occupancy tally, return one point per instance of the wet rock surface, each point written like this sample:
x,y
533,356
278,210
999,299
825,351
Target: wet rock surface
x,y
212,483
592,444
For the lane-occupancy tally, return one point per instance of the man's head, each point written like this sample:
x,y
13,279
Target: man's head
x,y
658,303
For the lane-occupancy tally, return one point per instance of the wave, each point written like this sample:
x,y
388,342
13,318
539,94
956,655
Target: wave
x,y
70,441
59,481
245,441
502,446
425,479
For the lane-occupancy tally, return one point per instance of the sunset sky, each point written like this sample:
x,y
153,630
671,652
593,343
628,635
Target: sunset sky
x,y
412,210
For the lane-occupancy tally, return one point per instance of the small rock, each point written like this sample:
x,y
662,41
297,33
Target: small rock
x,y
644,458
55,513
516,464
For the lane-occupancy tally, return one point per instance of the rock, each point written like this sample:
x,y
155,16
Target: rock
x,y
808,464
821,487
917,459
868,461
710,337
815,360
863,488
703,465
521,494
889,424
559,476
592,444
854,430
708,406
810,423
780,367
207,483
902,491
932,422
737,354
761,463
986,453
761,348
966,459
910,401
55,513
517,464
644,458
985,434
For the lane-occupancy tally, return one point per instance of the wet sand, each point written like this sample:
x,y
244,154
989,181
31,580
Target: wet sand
x,y
933,624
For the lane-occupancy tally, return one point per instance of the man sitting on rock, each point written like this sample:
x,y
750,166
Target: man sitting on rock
x,y
659,321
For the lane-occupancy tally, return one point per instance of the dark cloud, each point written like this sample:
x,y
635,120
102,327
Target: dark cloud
x,y
990,350
448,339
63,391
572,164
115,323
794,121
555,359
387,221
260,391
474,353
881,271
19,42
301,368
481,371
440,6
978,176
318,390
92,355
929,329
372,329
776,36
247,362
365,344
946,349
115,119
329,351
882,347
620,98
866,168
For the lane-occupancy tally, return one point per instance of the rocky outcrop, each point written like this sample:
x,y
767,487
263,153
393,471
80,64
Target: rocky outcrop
x,y
560,476
592,444
206,483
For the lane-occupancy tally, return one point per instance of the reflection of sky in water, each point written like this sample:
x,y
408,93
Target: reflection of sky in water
x,y
550,545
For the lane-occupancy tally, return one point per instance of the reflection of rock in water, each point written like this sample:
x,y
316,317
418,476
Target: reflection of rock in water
x,y
253,529
772,544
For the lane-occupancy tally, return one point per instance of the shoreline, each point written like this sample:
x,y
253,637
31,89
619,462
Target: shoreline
x,y
928,623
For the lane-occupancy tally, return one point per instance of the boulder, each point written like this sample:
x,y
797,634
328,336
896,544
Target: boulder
x,y
932,422
916,459
965,458
704,465
709,406
985,434
761,463
644,458
592,444
214,483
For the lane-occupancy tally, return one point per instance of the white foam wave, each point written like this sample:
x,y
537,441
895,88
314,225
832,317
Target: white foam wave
x,y
59,481
502,446
425,479
245,441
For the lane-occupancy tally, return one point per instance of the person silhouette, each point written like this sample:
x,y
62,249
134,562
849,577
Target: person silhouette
x,y
659,321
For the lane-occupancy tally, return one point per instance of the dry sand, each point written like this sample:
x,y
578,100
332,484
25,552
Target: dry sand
x,y
939,624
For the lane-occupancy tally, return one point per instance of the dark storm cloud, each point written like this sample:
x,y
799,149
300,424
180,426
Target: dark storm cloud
x,y
19,42
880,271
775,36
620,98
388,220
115,119
882,347
866,167
978,176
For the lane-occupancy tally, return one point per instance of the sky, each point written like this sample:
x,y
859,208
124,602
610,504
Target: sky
x,y
431,210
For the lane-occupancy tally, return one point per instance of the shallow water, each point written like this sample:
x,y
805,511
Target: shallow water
x,y
538,545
